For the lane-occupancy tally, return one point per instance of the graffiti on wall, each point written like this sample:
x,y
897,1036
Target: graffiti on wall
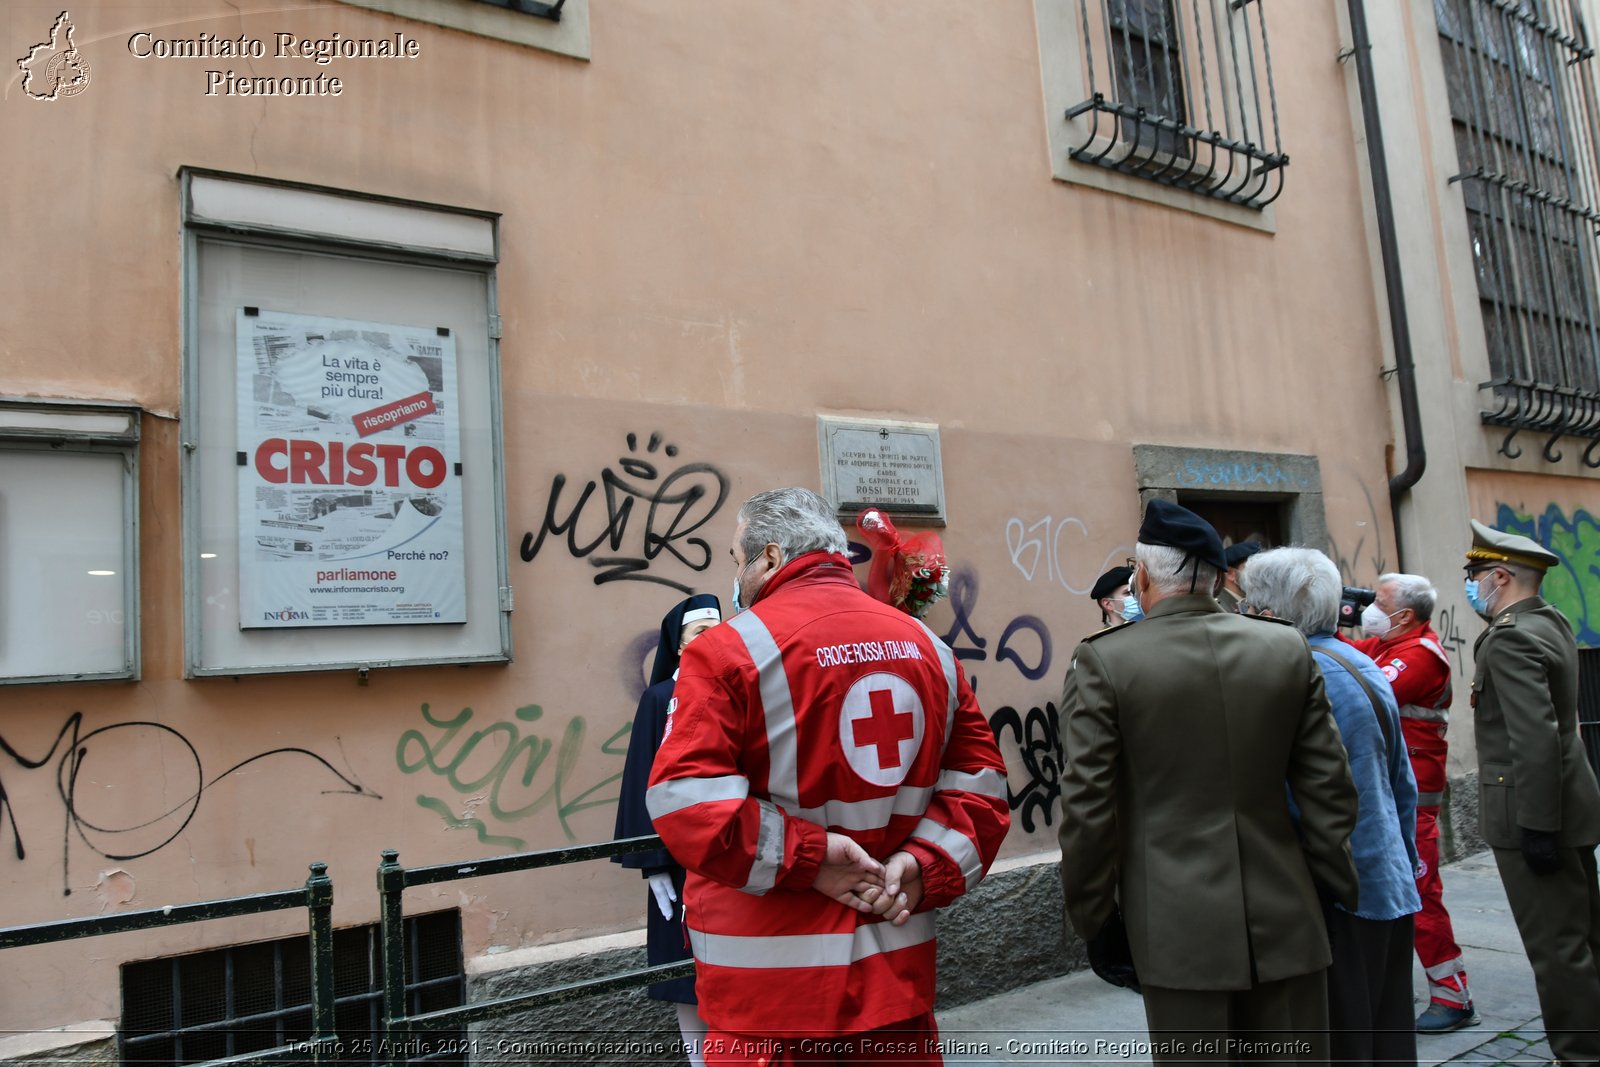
x,y
1575,585
1037,550
504,770
1038,738
1025,643
674,506
100,780
1256,475
1365,559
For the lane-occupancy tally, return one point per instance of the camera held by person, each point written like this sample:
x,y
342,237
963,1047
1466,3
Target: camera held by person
x,y
1352,600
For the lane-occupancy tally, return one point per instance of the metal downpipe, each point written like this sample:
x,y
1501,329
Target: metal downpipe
x,y
1399,323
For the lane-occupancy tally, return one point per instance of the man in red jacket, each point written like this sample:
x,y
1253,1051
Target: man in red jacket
x,y
828,779
1404,646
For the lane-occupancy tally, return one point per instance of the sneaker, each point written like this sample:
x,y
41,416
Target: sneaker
x,y
1444,1019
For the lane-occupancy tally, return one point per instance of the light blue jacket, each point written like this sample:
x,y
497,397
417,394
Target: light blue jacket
x,y
1385,839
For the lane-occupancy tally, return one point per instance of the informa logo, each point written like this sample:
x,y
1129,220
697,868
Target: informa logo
x,y
54,69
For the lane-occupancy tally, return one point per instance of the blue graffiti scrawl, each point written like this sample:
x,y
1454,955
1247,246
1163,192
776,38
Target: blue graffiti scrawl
x,y
1573,587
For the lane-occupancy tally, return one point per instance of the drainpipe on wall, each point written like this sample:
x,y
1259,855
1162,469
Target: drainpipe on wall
x,y
1405,368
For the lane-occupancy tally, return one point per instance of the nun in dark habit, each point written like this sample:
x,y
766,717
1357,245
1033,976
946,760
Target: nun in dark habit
x,y
665,941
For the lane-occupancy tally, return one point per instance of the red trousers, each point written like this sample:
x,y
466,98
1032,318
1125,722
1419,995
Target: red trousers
x,y
915,1041
1435,938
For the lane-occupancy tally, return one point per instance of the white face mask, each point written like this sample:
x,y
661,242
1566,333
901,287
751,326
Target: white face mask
x,y
738,603
1374,622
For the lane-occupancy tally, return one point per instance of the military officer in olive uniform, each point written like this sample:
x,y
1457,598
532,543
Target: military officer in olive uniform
x,y
1538,804
1179,736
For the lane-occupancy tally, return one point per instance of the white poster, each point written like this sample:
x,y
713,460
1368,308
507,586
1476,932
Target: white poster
x,y
349,496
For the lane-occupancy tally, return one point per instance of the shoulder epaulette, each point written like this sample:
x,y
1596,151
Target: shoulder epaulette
x,y
1098,634
1269,618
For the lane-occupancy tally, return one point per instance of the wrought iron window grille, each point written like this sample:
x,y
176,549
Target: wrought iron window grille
x,y
1523,108
531,7
246,998
1181,100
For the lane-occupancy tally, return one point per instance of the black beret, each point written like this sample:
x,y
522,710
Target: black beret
x,y
1238,553
1110,582
1175,526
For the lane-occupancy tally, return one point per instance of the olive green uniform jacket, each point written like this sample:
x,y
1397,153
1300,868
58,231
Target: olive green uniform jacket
x,y
1532,773
1179,734
1531,766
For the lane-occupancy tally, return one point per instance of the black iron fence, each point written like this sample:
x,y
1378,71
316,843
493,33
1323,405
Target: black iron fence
x,y
400,1030
1589,704
398,1038
316,896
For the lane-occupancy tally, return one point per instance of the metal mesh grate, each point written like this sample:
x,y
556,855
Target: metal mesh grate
x,y
245,998
1181,93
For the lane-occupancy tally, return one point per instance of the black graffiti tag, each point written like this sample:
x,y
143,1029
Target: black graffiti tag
x,y
679,504
1038,739
968,644
133,833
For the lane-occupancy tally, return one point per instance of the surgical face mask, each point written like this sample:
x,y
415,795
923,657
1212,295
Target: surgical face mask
x,y
1374,622
1132,610
1481,602
738,601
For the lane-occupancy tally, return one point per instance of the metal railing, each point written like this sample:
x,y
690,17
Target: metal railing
x,y
394,880
316,896
326,1045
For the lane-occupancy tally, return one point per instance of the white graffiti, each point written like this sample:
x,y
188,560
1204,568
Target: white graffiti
x,y
1036,550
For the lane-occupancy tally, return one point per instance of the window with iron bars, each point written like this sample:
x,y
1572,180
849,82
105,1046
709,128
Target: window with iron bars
x,y
1180,93
536,8
1523,108
247,998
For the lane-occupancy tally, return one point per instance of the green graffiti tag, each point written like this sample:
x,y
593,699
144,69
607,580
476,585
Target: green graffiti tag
x,y
503,760
1575,585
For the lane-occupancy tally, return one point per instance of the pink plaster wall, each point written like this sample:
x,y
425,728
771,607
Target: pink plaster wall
x,y
736,216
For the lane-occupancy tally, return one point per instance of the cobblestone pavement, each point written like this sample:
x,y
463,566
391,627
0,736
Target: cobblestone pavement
x,y
1524,1045
1077,1018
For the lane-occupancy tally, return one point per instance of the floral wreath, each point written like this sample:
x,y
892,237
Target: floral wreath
x,y
909,573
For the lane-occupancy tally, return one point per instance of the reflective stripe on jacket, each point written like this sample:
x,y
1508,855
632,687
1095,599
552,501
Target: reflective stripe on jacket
x,y
820,709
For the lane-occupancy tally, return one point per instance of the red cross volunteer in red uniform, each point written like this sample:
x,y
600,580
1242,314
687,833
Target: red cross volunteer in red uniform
x,y
828,779
1402,643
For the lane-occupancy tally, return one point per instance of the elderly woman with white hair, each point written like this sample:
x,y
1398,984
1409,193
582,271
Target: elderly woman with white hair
x,y
1369,983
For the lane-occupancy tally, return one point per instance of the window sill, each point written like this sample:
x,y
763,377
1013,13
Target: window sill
x,y
568,37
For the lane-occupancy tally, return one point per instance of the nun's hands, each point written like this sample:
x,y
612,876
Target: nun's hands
x,y
666,896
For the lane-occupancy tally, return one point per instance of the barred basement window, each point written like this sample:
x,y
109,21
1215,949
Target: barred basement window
x,y
248,998
1190,101
1523,104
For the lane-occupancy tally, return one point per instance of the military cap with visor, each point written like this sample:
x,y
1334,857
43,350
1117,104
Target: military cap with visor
x,y
1491,546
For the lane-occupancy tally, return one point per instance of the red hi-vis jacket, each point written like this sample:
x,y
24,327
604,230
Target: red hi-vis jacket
x,y
1418,669
820,709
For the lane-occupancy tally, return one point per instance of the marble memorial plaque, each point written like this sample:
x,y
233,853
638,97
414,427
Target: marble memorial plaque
x,y
891,465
